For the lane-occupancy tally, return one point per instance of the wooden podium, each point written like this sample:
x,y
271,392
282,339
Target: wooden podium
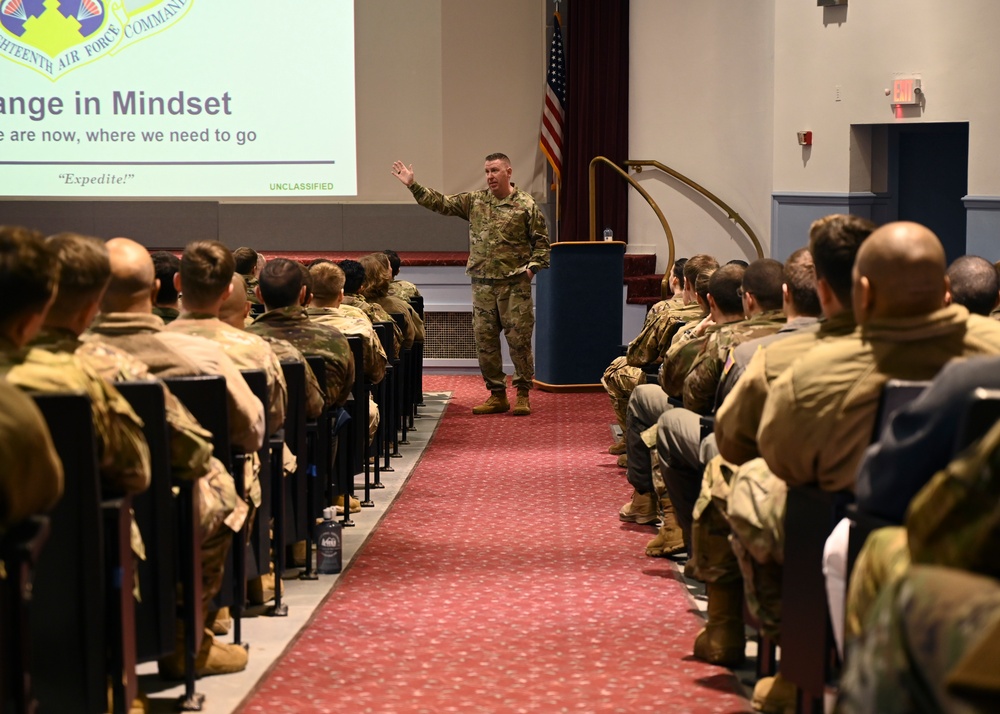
x,y
578,323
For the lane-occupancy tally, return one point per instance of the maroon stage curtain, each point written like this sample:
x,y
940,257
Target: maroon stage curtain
x,y
597,51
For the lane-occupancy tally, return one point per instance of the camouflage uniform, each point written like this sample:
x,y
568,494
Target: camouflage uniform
x,y
821,412
247,352
374,355
507,237
167,314
251,282
31,480
375,313
287,352
293,325
650,346
122,453
413,326
680,357
403,289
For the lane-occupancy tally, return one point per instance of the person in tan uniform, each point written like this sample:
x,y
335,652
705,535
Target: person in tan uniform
x,y
651,344
205,281
821,412
402,289
166,302
833,244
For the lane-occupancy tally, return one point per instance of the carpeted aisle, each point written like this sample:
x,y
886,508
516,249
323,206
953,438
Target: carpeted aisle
x,y
502,581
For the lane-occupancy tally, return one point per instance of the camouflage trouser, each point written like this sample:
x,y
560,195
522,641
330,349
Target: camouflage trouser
x,y
711,555
756,513
504,305
619,379
373,417
883,560
930,646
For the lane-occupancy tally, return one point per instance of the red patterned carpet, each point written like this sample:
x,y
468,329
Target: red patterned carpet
x,y
502,581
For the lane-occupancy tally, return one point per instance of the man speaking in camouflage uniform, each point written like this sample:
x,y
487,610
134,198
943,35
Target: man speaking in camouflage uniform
x,y
508,244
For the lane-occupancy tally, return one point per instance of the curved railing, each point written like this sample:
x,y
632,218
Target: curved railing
x,y
639,166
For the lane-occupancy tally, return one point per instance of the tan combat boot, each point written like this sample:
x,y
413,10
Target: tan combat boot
x,y
618,447
641,510
339,507
774,695
521,406
670,539
213,657
723,639
496,404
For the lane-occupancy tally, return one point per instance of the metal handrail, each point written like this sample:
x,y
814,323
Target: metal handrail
x,y
642,192
733,215
638,166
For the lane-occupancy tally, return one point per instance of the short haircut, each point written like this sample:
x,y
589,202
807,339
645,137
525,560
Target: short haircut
x,y
800,277
678,270
306,280
280,283
763,279
207,268
327,280
739,261
85,269
698,264
834,241
378,275
974,284
354,275
246,260
701,284
394,261
29,272
166,266
724,287
498,157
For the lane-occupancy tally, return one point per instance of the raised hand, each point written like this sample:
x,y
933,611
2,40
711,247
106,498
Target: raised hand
x,y
403,172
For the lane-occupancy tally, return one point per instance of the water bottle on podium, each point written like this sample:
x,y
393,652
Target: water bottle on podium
x,y
609,234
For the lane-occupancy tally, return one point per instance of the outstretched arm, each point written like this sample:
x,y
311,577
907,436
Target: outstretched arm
x,y
403,172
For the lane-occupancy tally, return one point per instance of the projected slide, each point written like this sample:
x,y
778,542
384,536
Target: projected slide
x,y
177,98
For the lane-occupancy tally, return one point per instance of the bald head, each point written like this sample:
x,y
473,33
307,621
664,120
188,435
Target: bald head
x,y
899,272
133,278
236,307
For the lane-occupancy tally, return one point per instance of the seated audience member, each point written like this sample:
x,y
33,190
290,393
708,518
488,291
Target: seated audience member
x,y
680,448
354,278
325,309
402,289
166,302
282,290
651,344
205,281
926,636
975,284
234,312
247,266
376,289
221,512
31,481
818,420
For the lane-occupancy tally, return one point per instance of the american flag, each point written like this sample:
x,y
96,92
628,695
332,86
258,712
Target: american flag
x,y
553,112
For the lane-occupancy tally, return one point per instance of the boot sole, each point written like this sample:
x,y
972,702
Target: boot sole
x,y
492,411
664,552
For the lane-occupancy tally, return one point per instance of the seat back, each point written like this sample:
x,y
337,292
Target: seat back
x,y
981,413
156,520
296,508
258,555
68,613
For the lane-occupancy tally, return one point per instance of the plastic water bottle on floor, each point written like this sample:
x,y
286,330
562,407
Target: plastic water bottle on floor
x,y
329,547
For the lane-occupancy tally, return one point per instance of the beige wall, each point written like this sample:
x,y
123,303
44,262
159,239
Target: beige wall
x,y
443,83
701,103
860,48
